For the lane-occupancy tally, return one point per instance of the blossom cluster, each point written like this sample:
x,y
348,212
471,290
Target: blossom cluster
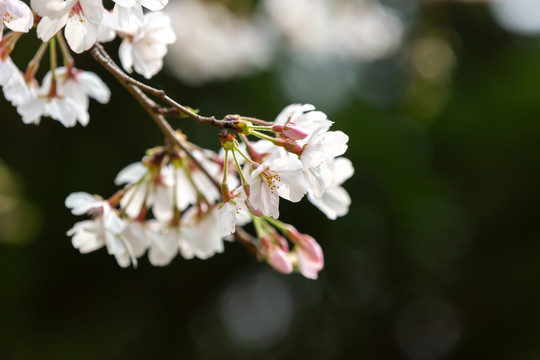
x,y
173,204
64,92
180,199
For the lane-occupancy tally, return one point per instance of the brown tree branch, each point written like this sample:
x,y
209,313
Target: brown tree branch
x,y
103,57
151,107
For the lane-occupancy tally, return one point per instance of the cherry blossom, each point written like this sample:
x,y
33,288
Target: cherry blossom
x,y
16,15
233,213
67,100
81,19
128,12
322,146
124,243
306,118
200,236
64,109
163,242
209,161
145,45
151,189
281,177
16,89
335,200
82,202
122,239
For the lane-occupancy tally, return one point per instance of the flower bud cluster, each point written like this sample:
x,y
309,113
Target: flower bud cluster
x,y
173,202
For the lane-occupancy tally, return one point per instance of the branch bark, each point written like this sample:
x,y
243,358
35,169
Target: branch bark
x,y
136,88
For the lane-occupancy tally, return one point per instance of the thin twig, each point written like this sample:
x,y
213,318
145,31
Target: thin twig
x,y
160,94
148,104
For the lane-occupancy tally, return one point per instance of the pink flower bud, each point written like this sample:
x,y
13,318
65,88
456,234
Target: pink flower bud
x,y
277,258
279,261
290,131
278,128
289,145
294,132
309,253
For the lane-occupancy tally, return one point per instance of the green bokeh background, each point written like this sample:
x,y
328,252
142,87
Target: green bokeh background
x,y
438,257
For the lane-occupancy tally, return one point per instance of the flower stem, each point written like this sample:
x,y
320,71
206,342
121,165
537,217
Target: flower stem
x,y
278,224
257,121
240,172
264,136
33,65
52,53
66,56
258,224
7,44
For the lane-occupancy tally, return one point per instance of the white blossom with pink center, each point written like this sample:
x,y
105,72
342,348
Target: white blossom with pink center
x,y
280,177
81,19
16,15
67,101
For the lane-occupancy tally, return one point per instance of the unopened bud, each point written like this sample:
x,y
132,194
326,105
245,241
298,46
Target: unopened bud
x,y
227,139
237,124
309,253
289,145
276,257
294,132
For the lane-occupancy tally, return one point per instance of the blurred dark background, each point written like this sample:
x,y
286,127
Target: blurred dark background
x,y
438,257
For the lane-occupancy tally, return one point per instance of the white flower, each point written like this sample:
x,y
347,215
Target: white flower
x,y
81,19
15,88
185,193
201,181
69,102
232,213
128,12
200,236
281,177
16,15
80,85
64,110
153,189
126,245
226,218
335,200
122,239
81,203
7,68
306,117
322,146
144,46
164,243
